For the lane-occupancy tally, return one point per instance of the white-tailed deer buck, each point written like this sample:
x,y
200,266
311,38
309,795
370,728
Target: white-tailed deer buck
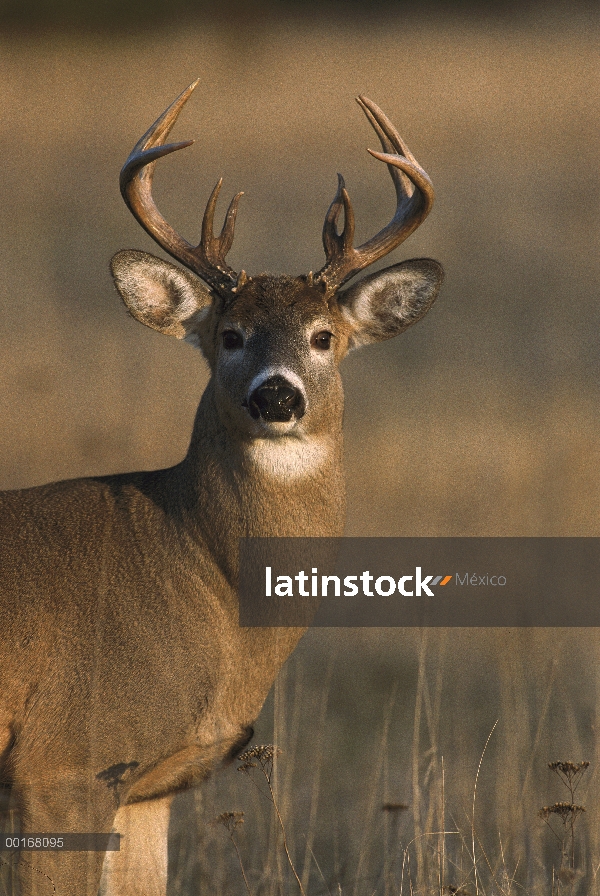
x,y
125,676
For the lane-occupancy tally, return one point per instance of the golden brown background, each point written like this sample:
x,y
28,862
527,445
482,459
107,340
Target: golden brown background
x,y
482,420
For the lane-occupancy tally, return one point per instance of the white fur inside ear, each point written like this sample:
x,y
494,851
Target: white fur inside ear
x,y
358,314
386,303
364,310
159,294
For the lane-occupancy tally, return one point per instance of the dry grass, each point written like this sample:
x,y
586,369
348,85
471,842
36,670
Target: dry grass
x,y
434,781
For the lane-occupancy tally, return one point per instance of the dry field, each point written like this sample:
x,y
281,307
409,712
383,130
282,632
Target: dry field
x,y
483,420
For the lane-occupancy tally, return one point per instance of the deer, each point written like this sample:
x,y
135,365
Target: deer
x,y
125,675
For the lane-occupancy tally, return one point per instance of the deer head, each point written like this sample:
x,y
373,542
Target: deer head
x,y
274,342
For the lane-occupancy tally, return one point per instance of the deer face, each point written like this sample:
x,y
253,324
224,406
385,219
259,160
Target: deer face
x,y
276,348
274,345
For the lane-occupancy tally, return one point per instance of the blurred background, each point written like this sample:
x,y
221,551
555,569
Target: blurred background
x,y
482,420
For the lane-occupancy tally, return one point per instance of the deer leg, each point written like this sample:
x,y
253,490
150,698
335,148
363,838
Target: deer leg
x,y
140,866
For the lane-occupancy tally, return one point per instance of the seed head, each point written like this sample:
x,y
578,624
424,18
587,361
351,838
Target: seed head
x,y
262,752
229,820
569,769
566,811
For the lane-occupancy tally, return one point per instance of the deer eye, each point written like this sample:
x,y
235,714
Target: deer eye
x,y
231,339
322,340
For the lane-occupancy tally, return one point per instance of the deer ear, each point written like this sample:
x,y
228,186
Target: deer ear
x,y
386,303
160,295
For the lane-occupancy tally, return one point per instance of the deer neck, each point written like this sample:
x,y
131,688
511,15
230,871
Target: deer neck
x,y
232,488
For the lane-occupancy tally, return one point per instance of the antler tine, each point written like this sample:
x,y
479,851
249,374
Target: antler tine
x,y
216,248
208,258
414,199
391,142
334,242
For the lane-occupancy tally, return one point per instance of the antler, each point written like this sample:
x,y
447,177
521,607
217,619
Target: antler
x,y
414,194
208,258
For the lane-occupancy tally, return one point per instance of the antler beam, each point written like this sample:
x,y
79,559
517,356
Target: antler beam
x,y
208,258
414,195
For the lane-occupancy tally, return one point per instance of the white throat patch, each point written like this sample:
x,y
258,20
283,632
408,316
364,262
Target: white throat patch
x,y
288,458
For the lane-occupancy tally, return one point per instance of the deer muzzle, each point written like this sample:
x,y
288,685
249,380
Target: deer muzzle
x,y
276,400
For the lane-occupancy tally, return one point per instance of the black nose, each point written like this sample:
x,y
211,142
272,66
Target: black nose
x,y
276,400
